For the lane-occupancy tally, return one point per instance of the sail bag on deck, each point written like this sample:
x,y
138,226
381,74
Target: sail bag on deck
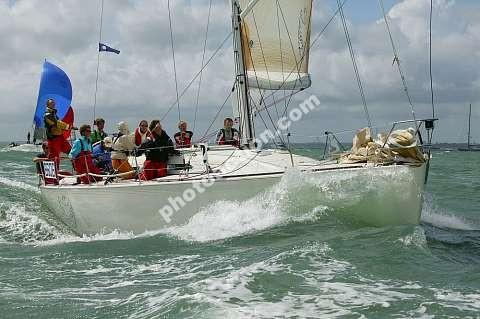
x,y
276,43
398,146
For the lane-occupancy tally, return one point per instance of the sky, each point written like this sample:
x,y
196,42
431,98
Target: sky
x,y
139,82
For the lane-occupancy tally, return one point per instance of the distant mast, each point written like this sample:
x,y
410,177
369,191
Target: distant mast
x,y
469,125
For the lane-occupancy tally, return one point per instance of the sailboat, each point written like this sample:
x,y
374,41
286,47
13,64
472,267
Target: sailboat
x,y
271,53
470,147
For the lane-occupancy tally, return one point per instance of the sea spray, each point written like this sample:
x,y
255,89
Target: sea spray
x,y
440,217
19,225
224,219
18,184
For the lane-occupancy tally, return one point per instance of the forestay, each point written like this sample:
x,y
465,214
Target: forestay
x,y
276,43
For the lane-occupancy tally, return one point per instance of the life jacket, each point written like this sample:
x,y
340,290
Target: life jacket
x,y
49,117
139,137
83,163
84,154
187,139
54,127
98,136
223,141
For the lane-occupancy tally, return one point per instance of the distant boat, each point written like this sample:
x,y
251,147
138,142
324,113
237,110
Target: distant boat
x,y
470,147
29,148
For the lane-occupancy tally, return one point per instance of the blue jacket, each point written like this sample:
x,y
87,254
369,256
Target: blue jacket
x,y
80,144
101,157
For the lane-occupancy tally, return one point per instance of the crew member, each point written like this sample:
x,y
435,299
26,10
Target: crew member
x,y
54,129
123,145
141,133
183,138
101,155
228,135
157,149
81,154
98,134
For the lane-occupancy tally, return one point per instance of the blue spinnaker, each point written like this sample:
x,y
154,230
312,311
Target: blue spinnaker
x,y
56,85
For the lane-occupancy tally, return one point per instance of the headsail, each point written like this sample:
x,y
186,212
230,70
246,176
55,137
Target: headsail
x,y
54,84
276,43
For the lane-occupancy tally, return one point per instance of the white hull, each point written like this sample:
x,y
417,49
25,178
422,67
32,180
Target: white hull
x,y
375,195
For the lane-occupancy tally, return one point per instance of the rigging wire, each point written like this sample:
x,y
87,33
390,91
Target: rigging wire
x,y
255,72
98,60
266,126
227,37
198,74
173,57
281,58
430,61
203,61
218,112
355,66
396,60
312,43
305,52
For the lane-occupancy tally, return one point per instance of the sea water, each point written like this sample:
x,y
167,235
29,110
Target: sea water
x,y
275,256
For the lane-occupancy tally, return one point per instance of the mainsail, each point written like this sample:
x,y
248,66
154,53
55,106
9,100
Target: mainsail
x,y
276,43
54,84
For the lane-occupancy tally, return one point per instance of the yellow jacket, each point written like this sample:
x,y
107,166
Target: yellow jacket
x,y
54,126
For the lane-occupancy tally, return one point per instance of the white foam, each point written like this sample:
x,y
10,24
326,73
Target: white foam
x,y
327,298
441,218
110,236
417,238
64,239
24,226
460,300
447,220
17,184
225,219
29,148
294,198
21,225
98,270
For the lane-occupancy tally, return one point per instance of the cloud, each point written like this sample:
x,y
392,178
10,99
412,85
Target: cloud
x,y
139,83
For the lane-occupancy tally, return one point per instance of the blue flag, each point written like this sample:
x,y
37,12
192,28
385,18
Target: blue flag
x,y
106,48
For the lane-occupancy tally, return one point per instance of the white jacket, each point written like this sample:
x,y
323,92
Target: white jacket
x,y
121,145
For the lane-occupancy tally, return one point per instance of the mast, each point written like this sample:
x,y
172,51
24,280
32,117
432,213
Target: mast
x,y
469,125
246,127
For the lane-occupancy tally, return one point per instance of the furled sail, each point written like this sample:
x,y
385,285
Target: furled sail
x,y
54,84
276,43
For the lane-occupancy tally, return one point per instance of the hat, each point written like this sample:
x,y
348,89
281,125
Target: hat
x,y
123,127
107,141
